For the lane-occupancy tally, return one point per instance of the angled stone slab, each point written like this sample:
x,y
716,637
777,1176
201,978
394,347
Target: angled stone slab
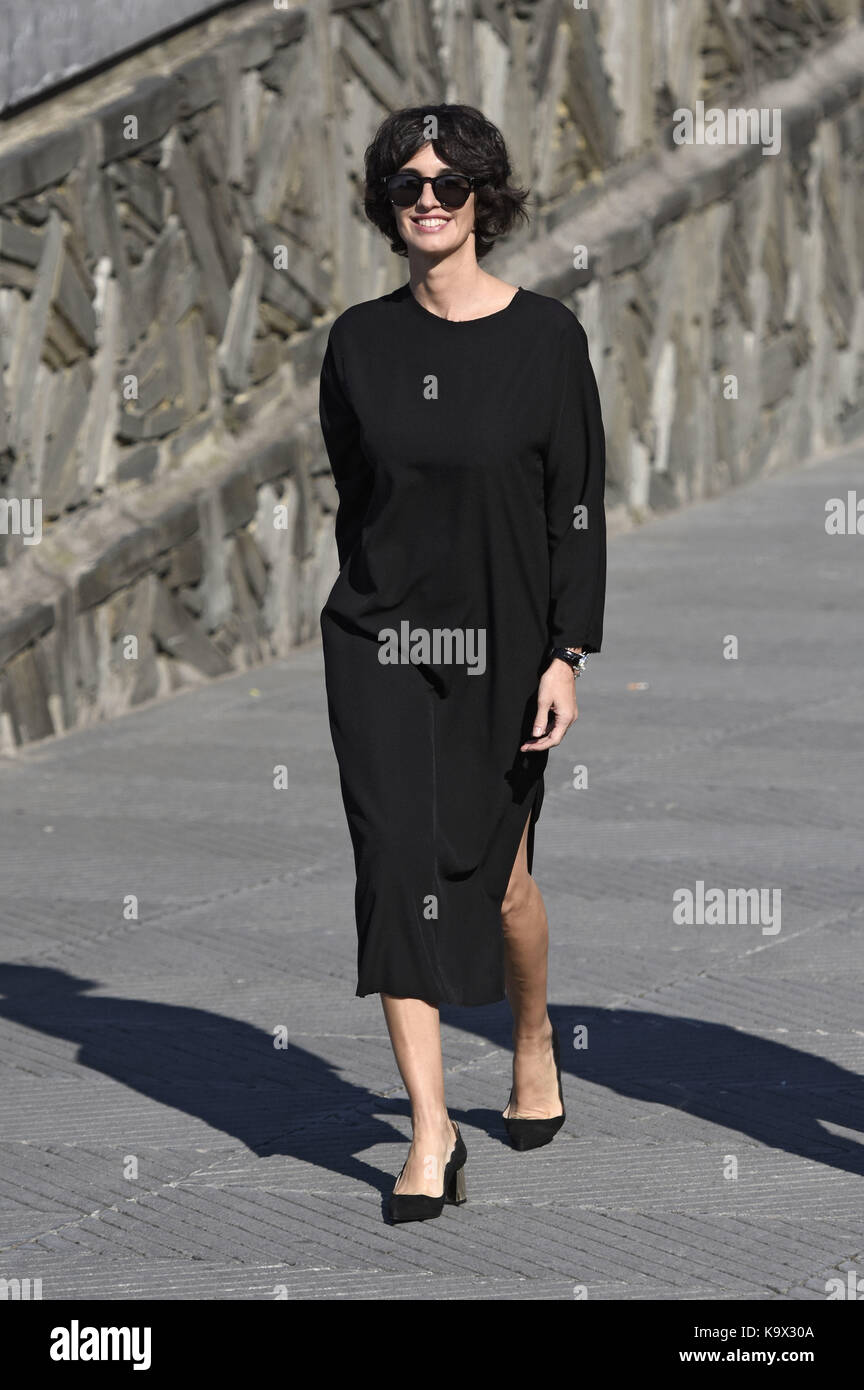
x,y
137,465
19,244
206,148
24,629
61,484
14,276
111,550
39,163
191,205
140,184
238,497
371,68
201,84
281,70
74,303
154,102
178,633
254,567
24,697
28,346
194,363
186,565
132,429
236,346
303,265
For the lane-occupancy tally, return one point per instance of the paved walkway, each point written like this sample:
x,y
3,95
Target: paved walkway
x,y
195,1104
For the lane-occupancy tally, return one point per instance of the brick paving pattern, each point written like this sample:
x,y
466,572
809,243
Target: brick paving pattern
x,y
195,1104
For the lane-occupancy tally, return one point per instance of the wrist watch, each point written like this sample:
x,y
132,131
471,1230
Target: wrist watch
x,y
575,660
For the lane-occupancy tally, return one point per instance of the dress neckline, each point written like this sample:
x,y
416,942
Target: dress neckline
x,y
463,323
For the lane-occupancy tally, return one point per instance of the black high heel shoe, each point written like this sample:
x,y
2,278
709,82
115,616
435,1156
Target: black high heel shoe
x,y
417,1206
533,1134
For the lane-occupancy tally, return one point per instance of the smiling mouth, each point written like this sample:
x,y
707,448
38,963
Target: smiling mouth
x,y
430,223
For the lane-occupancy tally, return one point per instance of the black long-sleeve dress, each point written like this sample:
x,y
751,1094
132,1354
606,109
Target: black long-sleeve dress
x,y
469,461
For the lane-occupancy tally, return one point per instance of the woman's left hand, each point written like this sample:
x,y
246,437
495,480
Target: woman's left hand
x,y
556,695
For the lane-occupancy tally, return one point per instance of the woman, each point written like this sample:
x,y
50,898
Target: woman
x,y
461,418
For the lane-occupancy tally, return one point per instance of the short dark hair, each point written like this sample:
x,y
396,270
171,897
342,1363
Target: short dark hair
x,y
466,141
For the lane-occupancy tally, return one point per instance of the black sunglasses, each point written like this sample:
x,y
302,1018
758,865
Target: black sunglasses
x,y
451,190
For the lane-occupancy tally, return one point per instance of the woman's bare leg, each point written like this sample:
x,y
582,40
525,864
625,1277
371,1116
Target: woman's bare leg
x,y
415,1033
526,943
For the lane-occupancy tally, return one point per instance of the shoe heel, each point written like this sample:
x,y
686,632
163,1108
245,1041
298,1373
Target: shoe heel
x,y
456,1188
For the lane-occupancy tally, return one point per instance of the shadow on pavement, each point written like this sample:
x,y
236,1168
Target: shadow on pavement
x,y
767,1090
221,1070
291,1102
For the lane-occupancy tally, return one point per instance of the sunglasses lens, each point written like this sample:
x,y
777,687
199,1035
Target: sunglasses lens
x,y
452,190
403,190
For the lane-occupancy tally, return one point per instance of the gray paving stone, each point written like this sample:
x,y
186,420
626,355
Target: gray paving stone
x,y
262,1171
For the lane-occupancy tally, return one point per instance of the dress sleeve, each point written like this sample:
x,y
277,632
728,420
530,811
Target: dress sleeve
x,y
575,475
351,472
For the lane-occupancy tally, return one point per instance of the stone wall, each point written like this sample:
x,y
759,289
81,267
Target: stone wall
x,y
177,234
45,44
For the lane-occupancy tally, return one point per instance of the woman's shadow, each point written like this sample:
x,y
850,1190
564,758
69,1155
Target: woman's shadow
x,y
767,1090
288,1101
276,1100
